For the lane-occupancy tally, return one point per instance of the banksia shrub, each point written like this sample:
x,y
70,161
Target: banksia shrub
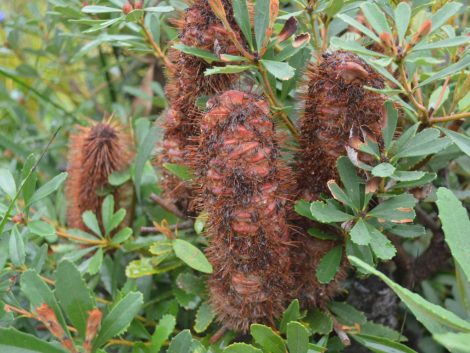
x,y
244,188
200,28
335,103
94,154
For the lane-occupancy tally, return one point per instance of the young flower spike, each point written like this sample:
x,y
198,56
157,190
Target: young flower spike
x,y
95,152
244,189
336,102
199,28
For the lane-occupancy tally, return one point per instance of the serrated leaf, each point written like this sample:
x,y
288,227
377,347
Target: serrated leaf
x,y
326,213
14,341
117,219
380,244
7,183
402,17
95,262
280,70
73,295
181,343
297,337
347,314
90,220
266,338
204,316
435,318
456,226
107,211
290,314
191,255
360,234
241,348
329,265
119,318
165,327
48,188
397,209
319,322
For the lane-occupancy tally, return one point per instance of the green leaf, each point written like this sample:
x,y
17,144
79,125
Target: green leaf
x,y
119,177
266,338
242,16
375,17
95,262
159,9
380,244
280,70
454,342
329,265
143,154
107,211
191,255
402,19
122,235
448,70
352,22
462,141
14,341
435,318
90,220
48,188
204,316
445,43
381,345
200,222
297,337
436,98
397,209
347,314
241,348
339,194
7,183
302,207
319,234
181,343
99,9
392,119
351,181
326,213
41,228
200,53
354,47
290,314
165,327
261,22
456,225
30,183
181,171
444,14
319,322
38,293
383,170
73,295
117,219
227,69
16,247
360,234
119,318
424,143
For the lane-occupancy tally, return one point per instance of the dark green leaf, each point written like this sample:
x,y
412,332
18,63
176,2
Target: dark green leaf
x,y
119,318
375,17
302,207
242,348
280,70
266,338
73,295
297,337
448,71
380,244
397,209
191,255
290,314
143,154
200,53
16,246
95,262
329,265
360,234
181,343
29,184
261,22
90,220
107,211
242,16
14,341
383,170
48,188
462,141
326,213
382,345
389,129
228,69
204,316
347,314
319,322
351,181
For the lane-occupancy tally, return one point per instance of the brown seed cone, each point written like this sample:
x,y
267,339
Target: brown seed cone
x,y
186,82
244,188
94,154
335,103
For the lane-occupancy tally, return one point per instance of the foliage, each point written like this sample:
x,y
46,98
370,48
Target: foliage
x,y
64,63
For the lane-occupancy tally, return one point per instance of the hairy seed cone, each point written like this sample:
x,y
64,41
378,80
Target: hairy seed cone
x,y
199,28
244,188
94,154
335,104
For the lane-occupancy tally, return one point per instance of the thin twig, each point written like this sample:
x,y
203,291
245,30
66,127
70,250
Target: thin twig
x,y
168,206
184,225
453,117
156,48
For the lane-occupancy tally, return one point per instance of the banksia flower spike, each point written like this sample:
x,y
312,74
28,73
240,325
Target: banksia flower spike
x,y
336,103
95,152
244,189
199,28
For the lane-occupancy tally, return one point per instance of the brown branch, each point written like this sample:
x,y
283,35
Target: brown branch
x,y
443,119
183,225
168,206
